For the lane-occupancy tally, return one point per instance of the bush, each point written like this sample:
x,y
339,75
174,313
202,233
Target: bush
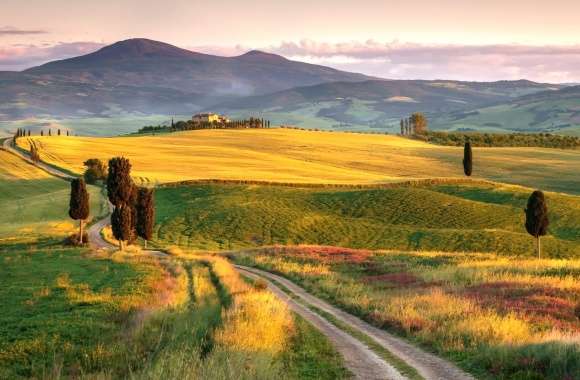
x,y
73,240
260,284
96,171
577,311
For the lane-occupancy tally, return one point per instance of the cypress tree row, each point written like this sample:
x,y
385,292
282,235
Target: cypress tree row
x,y
537,218
467,159
145,214
79,203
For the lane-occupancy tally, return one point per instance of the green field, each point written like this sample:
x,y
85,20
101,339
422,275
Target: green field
x,y
34,204
62,312
482,218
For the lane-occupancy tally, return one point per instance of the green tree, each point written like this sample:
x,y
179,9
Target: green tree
x,y
79,203
467,159
121,193
537,218
145,214
96,170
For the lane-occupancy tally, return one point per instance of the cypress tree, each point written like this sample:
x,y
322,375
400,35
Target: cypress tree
x,y
467,159
41,132
537,218
29,133
119,182
121,193
121,224
50,132
145,214
79,203
59,132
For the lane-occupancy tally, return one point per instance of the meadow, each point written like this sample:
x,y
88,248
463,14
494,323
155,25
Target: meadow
x,y
295,156
497,317
473,218
34,203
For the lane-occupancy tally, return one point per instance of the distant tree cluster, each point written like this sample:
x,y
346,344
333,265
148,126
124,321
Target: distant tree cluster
x,y
95,171
191,125
416,124
544,140
21,132
134,211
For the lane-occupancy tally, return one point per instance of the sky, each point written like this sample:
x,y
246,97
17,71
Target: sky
x,y
444,39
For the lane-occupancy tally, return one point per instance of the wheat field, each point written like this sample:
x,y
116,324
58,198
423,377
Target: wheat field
x,y
285,155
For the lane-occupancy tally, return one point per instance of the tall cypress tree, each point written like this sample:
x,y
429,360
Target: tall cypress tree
x,y
120,190
145,214
79,203
537,218
467,159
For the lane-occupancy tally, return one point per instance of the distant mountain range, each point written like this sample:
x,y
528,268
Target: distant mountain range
x,y
144,77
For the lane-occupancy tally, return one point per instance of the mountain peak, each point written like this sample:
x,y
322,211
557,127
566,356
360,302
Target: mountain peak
x,y
261,55
140,47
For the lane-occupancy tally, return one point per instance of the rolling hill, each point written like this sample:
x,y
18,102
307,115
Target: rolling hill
x,y
378,103
285,155
546,111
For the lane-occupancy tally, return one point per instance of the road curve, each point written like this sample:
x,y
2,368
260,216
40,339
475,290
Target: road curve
x,y
428,365
360,360
7,146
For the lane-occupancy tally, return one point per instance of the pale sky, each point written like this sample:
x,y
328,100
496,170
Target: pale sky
x,y
455,39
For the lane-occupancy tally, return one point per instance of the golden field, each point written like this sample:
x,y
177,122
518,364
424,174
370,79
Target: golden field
x,y
285,155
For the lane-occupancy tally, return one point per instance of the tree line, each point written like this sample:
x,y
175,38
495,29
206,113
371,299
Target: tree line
x,y
134,208
191,125
21,132
542,140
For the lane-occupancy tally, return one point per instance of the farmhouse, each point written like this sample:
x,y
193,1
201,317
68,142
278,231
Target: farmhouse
x,y
209,118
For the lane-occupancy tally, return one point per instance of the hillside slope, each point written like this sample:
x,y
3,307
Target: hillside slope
x,y
546,111
378,103
285,155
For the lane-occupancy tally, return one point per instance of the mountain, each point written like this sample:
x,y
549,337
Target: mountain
x,y
376,103
146,76
147,63
556,111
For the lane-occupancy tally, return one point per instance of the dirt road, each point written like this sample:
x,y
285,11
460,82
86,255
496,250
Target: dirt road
x,y
428,365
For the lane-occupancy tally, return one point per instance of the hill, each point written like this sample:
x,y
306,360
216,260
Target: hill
x,y
546,111
378,103
477,218
285,155
34,204
146,76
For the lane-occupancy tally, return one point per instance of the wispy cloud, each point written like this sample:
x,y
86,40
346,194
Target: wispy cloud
x,y
21,56
9,31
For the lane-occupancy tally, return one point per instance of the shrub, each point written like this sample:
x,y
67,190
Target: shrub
x,y
73,240
260,284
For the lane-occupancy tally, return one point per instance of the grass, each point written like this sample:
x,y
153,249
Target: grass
x,y
497,317
482,218
63,313
34,203
286,155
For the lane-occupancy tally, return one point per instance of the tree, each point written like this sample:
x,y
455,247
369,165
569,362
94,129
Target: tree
x,y
79,203
537,218
59,131
41,132
122,224
34,155
467,159
96,170
121,193
419,123
145,214
402,123
50,132
119,182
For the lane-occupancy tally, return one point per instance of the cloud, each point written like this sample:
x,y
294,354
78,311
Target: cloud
x,y
8,31
398,60
22,56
